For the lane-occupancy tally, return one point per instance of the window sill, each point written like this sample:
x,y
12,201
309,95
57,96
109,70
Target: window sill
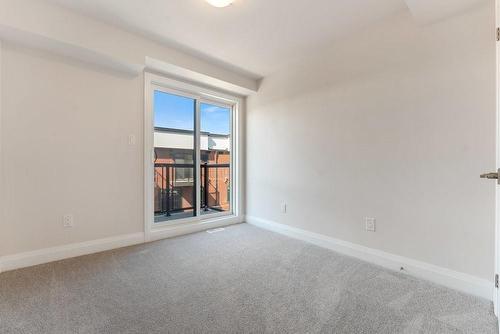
x,y
191,225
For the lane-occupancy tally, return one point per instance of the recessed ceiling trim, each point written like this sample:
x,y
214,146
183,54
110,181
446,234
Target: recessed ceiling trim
x,y
430,11
158,66
39,42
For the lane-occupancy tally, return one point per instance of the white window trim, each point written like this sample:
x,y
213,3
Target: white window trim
x,y
155,231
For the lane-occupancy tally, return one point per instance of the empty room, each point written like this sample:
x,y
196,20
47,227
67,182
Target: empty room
x,y
249,166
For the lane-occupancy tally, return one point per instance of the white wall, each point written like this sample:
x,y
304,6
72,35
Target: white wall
x,y
64,127
65,131
395,123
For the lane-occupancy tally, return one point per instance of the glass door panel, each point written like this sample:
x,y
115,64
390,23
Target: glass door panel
x,y
174,164
215,158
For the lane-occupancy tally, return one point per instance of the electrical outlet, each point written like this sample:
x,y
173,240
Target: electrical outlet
x,y
283,207
68,220
370,224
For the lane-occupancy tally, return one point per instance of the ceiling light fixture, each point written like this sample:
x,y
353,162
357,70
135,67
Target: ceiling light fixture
x,y
220,3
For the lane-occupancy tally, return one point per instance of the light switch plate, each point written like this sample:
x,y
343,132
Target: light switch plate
x,y
132,140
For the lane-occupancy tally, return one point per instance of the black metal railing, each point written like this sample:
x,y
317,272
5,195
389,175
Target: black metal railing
x,y
174,181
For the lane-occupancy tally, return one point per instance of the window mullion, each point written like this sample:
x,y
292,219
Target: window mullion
x,y
197,158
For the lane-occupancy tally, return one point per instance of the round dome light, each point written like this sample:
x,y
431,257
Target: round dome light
x,y
220,3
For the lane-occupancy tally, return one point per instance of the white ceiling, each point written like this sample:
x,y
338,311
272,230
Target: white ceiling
x,y
255,37
429,11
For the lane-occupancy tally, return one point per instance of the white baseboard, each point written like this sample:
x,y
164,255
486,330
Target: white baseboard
x,y
446,277
27,259
32,258
181,229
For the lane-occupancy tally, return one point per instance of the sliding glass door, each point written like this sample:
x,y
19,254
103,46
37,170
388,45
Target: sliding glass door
x,y
215,157
192,156
174,156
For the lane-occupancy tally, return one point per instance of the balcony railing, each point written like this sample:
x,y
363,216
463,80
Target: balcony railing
x,y
174,187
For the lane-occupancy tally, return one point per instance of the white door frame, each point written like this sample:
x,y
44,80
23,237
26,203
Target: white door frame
x,y
496,295
201,94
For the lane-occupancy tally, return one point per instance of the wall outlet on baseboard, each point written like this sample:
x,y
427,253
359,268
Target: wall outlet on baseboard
x,y
68,220
370,224
283,207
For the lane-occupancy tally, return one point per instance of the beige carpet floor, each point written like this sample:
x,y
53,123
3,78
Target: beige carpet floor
x,y
240,280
